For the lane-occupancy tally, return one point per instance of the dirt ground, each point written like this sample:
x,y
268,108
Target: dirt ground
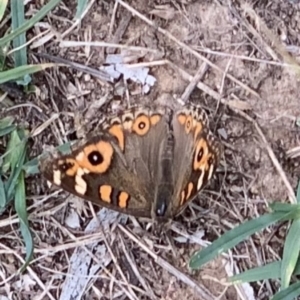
x,y
244,50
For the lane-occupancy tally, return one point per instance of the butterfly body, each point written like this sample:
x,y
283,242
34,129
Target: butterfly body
x,y
146,161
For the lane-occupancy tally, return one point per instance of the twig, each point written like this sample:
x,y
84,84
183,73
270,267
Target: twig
x,y
193,83
63,44
100,74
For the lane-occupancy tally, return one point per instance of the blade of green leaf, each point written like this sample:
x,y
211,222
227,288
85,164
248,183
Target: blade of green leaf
x,y
30,23
10,185
17,20
3,5
2,194
20,206
7,130
21,71
289,293
290,253
5,157
15,161
283,207
269,271
20,56
81,6
235,236
13,149
7,121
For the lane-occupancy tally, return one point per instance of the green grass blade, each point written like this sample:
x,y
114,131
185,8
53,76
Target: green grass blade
x,y
269,271
7,121
22,71
283,207
7,130
30,23
233,237
289,293
3,199
14,161
20,206
17,20
6,126
20,56
3,5
13,150
2,57
81,6
12,182
290,253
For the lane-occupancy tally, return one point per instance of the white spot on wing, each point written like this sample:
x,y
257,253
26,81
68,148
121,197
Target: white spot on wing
x,y
200,180
127,125
211,170
80,184
57,177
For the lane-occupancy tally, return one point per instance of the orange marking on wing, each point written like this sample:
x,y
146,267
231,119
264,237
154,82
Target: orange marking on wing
x,y
123,199
105,193
117,132
201,155
141,125
181,119
190,189
105,152
155,119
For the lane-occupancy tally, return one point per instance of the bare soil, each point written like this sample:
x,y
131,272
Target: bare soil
x,y
249,48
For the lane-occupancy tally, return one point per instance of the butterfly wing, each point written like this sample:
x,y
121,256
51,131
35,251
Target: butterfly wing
x,y
196,155
116,168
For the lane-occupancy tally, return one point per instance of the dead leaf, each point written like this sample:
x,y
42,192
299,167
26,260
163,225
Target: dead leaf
x,y
115,67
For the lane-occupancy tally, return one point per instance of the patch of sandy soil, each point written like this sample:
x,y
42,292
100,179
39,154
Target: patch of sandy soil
x,y
246,69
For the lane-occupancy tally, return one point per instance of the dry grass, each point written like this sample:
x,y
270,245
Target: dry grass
x,y
117,257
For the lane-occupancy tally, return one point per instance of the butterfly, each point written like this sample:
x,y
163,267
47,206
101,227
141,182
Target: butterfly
x,y
147,161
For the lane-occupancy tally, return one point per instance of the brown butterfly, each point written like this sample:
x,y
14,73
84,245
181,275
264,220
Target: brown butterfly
x,y
146,161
